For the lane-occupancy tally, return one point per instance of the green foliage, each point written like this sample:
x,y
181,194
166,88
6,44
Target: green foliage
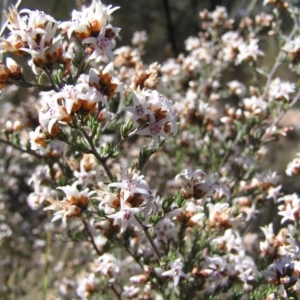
x,y
109,150
144,155
126,129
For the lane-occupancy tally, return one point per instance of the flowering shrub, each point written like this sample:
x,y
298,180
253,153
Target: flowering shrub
x,y
150,175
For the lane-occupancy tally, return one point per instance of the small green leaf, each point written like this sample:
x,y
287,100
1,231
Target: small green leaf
x,y
180,201
167,203
109,150
144,156
126,129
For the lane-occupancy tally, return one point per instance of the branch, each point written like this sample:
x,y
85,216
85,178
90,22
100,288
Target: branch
x,y
54,86
146,231
21,149
277,64
130,253
100,159
282,113
117,294
79,69
86,226
6,22
25,84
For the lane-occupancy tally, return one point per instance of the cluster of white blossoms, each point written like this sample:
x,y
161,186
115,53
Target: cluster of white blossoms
x,y
33,32
293,167
146,215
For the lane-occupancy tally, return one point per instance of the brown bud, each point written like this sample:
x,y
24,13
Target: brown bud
x,y
4,72
15,71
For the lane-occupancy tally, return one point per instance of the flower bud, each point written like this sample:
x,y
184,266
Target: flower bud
x,y
8,126
4,72
15,71
17,126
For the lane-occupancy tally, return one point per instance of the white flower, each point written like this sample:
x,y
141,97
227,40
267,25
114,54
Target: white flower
x,y
130,292
268,231
88,21
72,95
106,197
139,38
37,18
273,192
37,139
54,113
87,286
131,184
164,230
102,85
127,216
293,167
197,184
140,106
107,265
250,212
64,210
249,52
237,88
154,129
102,44
288,213
175,271
280,90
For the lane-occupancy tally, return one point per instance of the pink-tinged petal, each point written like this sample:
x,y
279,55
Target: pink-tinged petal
x,y
109,54
176,280
141,191
90,40
144,131
70,30
109,69
69,106
119,185
51,123
83,96
97,52
130,109
93,76
117,215
163,134
167,273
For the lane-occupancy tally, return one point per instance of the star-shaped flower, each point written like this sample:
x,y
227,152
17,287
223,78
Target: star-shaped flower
x,y
175,271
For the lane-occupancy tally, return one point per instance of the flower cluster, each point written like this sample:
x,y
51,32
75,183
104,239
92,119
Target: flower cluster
x,y
149,181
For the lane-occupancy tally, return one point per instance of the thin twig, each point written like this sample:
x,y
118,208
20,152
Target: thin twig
x,y
140,264
113,288
282,113
25,84
86,226
129,252
21,149
54,86
100,159
6,22
146,231
80,66
277,64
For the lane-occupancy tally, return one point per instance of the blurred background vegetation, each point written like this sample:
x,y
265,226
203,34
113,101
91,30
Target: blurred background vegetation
x,y
167,22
